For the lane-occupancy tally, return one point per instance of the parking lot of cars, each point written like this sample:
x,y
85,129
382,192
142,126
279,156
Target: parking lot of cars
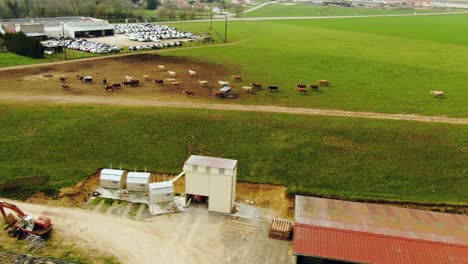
x,y
83,45
151,32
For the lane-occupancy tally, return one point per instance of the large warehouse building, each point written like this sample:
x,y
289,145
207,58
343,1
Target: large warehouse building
x,y
72,27
332,231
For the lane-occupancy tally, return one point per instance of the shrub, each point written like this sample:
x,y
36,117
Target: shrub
x,y
21,44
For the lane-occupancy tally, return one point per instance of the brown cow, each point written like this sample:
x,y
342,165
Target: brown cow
x,y
109,88
301,86
313,87
301,90
65,87
257,85
324,82
116,85
63,79
159,82
237,78
189,93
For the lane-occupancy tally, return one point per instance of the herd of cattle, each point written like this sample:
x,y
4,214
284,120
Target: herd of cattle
x,y
224,89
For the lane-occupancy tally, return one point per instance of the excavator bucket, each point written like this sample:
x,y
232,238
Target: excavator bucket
x,y
10,220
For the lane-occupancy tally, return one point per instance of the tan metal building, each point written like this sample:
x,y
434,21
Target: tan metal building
x,y
111,179
214,178
161,192
138,181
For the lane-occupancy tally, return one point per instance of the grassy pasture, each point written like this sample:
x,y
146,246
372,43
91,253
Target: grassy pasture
x,y
10,59
375,64
282,10
344,157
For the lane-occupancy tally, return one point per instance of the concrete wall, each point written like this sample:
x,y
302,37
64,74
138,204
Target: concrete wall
x,y
161,195
197,183
110,184
137,187
31,28
220,197
220,188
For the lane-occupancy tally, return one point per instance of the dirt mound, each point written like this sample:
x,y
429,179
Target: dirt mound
x,y
70,196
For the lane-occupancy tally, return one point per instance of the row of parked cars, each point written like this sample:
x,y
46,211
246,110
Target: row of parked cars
x,y
145,32
93,47
156,46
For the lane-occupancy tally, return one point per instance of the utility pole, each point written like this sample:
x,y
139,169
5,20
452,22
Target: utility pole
x,y
63,41
225,29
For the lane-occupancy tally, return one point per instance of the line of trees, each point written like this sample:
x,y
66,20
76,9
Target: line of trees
x,y
21,44
107,9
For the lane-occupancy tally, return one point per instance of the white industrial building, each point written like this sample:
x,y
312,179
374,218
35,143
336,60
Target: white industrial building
x,y
214,178
138,181
161,192
71,27
111,179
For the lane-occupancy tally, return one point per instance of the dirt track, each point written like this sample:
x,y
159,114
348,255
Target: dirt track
x,y
193,236
250,108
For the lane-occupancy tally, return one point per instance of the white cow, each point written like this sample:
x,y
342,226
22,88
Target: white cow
x,y
161,67
192,73
203,83
171,73
437,93
147,77
169,80
247,88
128,78
223,83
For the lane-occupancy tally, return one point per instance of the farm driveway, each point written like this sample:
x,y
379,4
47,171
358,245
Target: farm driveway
x,y
98,100
193,236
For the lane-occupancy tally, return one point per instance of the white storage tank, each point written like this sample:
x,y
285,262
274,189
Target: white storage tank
x,y
214,178
138,181
161,192
111,179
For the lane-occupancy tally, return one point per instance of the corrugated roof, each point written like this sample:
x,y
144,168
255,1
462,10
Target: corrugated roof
x,y
112,172
211,162
377,233
361,247
85,27
144,175
160,185
137,180
382,219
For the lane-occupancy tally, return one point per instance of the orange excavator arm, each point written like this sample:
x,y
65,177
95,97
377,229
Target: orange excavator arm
x,y
12,207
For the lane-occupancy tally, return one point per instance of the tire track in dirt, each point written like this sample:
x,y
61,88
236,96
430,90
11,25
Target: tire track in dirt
x,y
229,107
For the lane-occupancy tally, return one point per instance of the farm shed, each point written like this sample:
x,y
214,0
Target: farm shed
x,y
332,231
73,27
214,178
160,192
111,179
138,181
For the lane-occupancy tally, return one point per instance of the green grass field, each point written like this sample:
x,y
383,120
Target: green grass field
x,y
341,157
281,10
10,59
374,64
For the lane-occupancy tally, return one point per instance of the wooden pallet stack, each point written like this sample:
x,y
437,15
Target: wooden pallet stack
x,y
280,229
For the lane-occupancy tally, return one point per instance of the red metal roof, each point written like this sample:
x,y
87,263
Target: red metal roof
x,y
377,233
371,248
382,219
